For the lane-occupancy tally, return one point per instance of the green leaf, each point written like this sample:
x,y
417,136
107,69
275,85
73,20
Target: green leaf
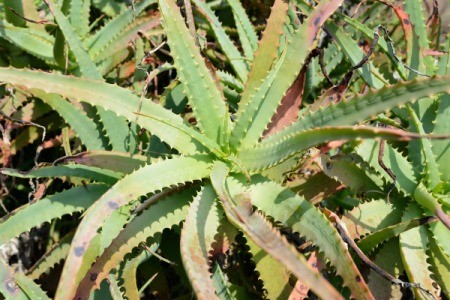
x,y
440,263
116,127
295,212
166,125
85,63
78,171
387,258
201,88
355,54
254,116
406,180
79,16
164,214
105,36
84,127
373,216
36,42
238,210
164,174
413,248
381,42
441,148
29,287
431,169
266,155
247,34
235,59
368,243
55,255
197,237
274,274
365,106
67,202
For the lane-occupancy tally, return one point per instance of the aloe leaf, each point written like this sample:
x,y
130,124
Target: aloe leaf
x,y
86,65
269,268
247,34
196,240
55,255
295,212
165,174
365,106
371,217
221,284
387,258
29,287
102,38
441,234
116,127
431,168
266,155
428,201
253,118
348,172
381,42
128,273
406,180
355,54
79,171
8,287
415,10
36,42
85,128
235,59
440,262
9,6
120,162
239,212
79,16
68,202
164,214
129,34
166,125
206,99
368,243
442,126
413,247
266,53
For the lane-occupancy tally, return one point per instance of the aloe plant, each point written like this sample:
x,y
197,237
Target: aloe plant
x,y
224,176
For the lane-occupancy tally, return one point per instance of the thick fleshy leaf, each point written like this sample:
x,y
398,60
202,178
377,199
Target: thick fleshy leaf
x,y
362,107
197,237
55,206
201,87
164,174
238,209
295,212
166,125
164,214
267,155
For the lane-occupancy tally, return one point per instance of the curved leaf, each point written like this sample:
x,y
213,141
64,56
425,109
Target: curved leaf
x,y
68,202
266,155
79,171
294,211
164,174
365,106
201,88
197,235
239,212
166,125
164,214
